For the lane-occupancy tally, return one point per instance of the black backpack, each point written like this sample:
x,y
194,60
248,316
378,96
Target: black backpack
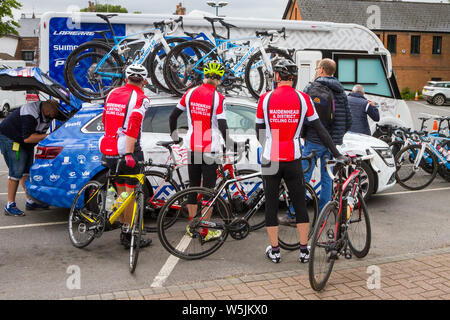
x,y
323,99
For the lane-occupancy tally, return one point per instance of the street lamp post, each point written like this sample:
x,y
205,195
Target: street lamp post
x,y
217,5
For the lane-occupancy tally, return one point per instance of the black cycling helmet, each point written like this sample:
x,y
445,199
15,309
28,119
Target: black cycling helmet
x,y
287,69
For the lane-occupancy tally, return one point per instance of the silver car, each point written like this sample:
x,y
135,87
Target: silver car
x,y
437,92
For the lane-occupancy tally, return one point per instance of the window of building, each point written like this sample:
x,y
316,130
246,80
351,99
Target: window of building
x,y
392,43
364,70
437,45
28,55
415,44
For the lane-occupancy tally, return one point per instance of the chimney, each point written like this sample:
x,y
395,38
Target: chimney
x,y
180,10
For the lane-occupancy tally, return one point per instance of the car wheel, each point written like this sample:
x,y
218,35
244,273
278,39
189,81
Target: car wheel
x,y
439,100
5,110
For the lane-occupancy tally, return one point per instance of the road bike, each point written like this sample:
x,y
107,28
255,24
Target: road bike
x,y
246,60
183,234
166,180
94,68
343,226
89,217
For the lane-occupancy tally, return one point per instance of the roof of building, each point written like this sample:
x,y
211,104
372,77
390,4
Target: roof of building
x,y
394,15
29,27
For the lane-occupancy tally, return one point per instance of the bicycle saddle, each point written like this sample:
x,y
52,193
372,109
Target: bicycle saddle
x,y
424,118
213,19
106,17
227,25
165,144
102,32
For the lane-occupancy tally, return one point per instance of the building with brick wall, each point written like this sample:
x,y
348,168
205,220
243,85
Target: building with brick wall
x,y
416,34
25,45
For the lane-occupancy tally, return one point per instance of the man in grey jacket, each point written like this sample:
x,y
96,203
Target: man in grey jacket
x,y
360,108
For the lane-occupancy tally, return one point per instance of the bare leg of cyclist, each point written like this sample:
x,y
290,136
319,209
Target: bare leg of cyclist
x,y
303,230
272,232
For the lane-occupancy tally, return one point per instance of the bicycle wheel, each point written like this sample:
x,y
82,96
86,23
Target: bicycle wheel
x,y
86,78
288,237
409,175
253,189
162,189
155,63
183,66
323,250
185,239
85,214
255,73
136,228
444,170
359,231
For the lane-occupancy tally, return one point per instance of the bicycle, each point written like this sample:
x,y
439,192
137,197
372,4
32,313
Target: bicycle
x,y
89,217
415,161
183,238
94,68
336,231
184,67
168,181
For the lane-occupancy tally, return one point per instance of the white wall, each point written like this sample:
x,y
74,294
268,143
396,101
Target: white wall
x,y
8,45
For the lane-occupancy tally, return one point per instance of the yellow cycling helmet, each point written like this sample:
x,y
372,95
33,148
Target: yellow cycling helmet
x,y
213,69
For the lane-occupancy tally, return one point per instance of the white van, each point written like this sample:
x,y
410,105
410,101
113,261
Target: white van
x,y
10,100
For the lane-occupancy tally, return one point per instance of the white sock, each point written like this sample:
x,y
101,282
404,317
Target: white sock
x,y
29,201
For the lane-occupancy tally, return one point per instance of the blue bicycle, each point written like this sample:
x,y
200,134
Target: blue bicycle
x,y
247,60
96,67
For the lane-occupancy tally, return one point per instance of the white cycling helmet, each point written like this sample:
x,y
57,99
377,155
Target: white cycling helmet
x,y
135,71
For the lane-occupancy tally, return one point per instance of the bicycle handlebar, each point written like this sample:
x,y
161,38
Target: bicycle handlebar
x,y
309,158
351,161
172,23
274,35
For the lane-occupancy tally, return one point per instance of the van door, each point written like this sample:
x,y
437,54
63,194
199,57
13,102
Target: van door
x,y
306,62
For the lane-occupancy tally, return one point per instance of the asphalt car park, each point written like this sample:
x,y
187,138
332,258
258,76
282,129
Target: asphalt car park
x,y
37,258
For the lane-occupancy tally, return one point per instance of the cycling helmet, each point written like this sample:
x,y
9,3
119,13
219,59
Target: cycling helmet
x,y
136,71
213,69
286,68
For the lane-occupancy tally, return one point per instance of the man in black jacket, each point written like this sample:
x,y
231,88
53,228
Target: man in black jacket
x,y
341,124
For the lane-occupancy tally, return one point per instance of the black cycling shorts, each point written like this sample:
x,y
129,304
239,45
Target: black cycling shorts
x,y
292,174
198,169
111,163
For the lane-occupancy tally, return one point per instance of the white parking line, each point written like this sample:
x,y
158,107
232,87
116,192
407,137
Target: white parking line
x,y
170,264
411,191
33,225
6,193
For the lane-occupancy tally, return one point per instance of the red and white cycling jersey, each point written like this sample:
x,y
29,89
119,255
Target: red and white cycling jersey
x,y
204,106
123,114
283,111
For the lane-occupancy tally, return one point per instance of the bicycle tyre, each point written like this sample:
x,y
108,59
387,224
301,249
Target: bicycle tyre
x,y
325,222
152,64
153,206
288,238
262,81
171,71
92,209
136,229
443,171
177,247
98,51
363,250
402,159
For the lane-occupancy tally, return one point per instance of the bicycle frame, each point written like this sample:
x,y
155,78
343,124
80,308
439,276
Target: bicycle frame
x,y
149,45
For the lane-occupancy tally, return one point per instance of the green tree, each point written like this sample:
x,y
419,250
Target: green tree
x,y
105,8
7,24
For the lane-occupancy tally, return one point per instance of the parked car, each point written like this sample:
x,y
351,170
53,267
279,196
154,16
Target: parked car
x,y
70,157
437,92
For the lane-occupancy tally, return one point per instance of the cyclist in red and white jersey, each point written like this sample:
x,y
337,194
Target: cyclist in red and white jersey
x,y
122,118
206,109
279,120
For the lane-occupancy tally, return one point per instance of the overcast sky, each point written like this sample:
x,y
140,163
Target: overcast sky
x,y
239,8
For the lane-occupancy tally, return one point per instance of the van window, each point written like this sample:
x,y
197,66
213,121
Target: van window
x,y
366,71
96,126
